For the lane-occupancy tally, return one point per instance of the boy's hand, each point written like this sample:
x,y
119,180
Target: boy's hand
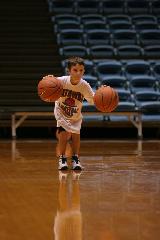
x,y
48,76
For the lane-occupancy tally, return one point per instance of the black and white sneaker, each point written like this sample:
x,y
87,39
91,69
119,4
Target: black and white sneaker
x,y
63,163
76,165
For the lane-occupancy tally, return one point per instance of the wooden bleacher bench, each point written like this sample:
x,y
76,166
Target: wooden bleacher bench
x,y
20,114
21,106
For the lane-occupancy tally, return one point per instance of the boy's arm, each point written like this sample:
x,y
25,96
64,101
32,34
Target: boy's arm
x,y
89,94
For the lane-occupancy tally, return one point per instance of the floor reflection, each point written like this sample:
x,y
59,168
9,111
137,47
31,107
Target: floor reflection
x,y
121,204
68,220
116,197
88,148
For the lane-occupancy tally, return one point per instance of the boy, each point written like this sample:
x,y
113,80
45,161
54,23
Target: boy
x,y
68,111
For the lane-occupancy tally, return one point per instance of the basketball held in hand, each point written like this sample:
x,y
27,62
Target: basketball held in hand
x,y
50,89
106,99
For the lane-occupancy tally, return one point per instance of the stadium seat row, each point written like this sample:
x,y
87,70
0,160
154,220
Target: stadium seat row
x,y
106,33
102,51
112,27
127,69
104,6
103,36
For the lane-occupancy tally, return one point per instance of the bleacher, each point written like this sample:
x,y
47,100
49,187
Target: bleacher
x,y
27,52
119,40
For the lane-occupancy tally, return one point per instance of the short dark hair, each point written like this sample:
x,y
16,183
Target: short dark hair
x,y
72,61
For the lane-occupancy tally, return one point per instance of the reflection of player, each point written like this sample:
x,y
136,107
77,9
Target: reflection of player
x,y
68,221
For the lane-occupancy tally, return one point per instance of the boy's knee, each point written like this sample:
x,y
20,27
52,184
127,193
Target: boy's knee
x,y
60,130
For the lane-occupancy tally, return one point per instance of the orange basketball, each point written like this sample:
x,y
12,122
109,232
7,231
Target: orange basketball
x,y
106,99
50,89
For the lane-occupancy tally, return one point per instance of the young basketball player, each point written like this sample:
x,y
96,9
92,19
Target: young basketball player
x,y
68,111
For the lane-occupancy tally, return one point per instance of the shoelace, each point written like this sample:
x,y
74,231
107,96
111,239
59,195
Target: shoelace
x,y
63,160
74,158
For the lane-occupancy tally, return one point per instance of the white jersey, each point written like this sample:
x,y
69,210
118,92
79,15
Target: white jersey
x,y
68,107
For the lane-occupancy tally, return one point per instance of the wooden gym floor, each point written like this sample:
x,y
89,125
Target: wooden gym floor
x,y
116,197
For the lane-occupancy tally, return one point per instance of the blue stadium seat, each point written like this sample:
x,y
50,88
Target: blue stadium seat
x,y
112,7
92,17
148,101
120,25
94,25
92,6
149,37
102,52
58,7
143,17
124,37
111,18
74,50
137,7
156,70
66,25
152,52
143,83
58,18
145,25
158,19
137,68
98,36
129,52
108,69
70,37
117,82
126,102
155,7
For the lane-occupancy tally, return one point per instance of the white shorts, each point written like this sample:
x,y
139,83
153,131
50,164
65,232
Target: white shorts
x,y
73,127
68,124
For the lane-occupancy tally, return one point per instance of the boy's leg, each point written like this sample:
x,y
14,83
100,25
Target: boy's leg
x,y
76,165
62,136
75,143
68,151
62,142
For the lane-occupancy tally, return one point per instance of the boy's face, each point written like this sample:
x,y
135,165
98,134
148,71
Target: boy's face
x,y
76,73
